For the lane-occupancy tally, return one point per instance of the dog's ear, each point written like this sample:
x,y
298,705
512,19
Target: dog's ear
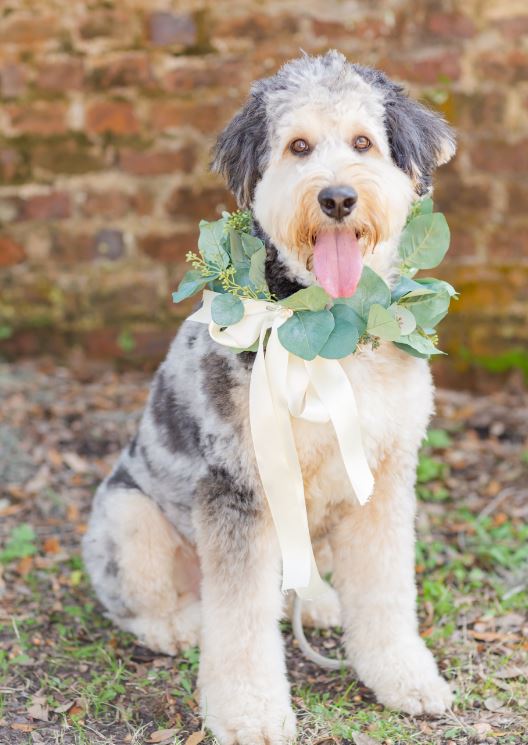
x,y
241,148
420,140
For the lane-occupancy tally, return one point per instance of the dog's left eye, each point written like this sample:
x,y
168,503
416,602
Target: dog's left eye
x,y
299,147
362,143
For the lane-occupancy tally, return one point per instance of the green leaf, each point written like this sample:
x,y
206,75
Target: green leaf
x,y
251,244
408,287
227,309
428,309
405,319
343,340
424,206
419,343
436,285
238,256
211,243
371,289
306,332
410,350
257,269
382,323
309,298
191,283
21,543
424,241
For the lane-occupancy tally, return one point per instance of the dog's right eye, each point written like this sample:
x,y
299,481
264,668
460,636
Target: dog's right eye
x,y
299,147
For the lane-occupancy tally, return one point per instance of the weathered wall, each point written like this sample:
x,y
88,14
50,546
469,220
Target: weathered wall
x,y
108,110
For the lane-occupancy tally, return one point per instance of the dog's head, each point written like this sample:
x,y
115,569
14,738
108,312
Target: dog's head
x,y
329,157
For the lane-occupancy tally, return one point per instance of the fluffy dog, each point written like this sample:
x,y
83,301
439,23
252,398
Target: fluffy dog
x,y
180,546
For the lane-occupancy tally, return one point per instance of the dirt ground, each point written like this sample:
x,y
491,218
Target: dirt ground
x,y
67,676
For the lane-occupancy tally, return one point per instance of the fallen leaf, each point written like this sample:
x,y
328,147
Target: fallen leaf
x,y
25,565
21,727
195,738
64,707
482,728
75,462
362,739
51,546
512,672
162,734
39,709
493,704
493,636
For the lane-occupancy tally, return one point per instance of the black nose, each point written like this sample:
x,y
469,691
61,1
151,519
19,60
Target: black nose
x,y
337,201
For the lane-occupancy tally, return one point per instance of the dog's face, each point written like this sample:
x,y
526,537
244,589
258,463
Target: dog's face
x,y
329,156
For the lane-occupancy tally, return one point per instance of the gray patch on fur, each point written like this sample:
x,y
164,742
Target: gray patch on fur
x,y
218,382
121,477
180,431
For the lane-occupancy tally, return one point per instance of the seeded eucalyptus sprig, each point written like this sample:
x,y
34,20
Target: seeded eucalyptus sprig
x,y
231,262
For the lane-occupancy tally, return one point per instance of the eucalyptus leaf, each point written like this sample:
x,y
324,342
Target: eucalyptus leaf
x,y
306,332
381,323
407,287
212,243
424,241
428,309
420,344
436,285
405,319
371,289
424,206
227,309
239,257
251,244
191,283
343,340
309,298
257,269
410,350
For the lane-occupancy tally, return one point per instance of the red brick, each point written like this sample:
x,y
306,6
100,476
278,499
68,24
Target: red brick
x,y
429,69
71,156
60,75
257,26
113,204
156,162
171,29
215,73
366,28
518,197
453,194
39,117
125,70
10,164
117,117
206,203
512,28
508,244
206,117
119,23
505,66
497,156
169,248
72,247
12,80
53,206
482,110
27,29
450,25
10,251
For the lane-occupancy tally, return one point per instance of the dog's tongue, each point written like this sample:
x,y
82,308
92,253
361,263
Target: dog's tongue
x,y
337,262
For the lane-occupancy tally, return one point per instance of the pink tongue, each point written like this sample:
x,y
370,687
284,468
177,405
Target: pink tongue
x,y
337,262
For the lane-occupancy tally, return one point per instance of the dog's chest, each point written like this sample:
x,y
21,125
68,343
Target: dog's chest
x,y
394,401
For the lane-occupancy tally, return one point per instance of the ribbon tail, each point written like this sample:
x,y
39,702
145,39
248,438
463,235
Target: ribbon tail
x,y
279,467
334,389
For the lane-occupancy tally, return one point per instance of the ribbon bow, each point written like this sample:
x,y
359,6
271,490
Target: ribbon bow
x,y
283,385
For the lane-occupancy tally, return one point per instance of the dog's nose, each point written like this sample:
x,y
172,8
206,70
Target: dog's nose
x,y
337,201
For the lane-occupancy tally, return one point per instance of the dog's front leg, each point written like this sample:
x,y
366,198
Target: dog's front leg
x,y
243,686
374,574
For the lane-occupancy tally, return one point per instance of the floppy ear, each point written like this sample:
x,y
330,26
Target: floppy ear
x,y
420,140
241,148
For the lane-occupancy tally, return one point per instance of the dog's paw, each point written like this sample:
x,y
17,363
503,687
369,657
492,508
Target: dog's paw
x,y
242,717
406,678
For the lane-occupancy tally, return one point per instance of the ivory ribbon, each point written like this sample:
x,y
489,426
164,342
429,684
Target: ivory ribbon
x,y
283,385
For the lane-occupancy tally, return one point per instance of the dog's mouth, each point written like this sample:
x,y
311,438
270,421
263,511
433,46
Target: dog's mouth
x,y
337,261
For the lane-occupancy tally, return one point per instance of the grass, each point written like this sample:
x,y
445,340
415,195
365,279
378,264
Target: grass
x,y
98,687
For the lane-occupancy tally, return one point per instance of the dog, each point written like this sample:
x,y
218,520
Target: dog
x,y
180,547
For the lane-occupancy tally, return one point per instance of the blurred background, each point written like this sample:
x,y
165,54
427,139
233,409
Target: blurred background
x,y
108,112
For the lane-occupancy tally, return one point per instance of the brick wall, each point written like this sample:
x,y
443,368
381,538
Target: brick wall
x,y
107,113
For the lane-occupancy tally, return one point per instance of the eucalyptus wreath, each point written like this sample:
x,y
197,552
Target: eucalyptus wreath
x,y
231,262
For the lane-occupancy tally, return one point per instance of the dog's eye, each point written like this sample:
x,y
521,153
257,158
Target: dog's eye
x,y
362,143
299,147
